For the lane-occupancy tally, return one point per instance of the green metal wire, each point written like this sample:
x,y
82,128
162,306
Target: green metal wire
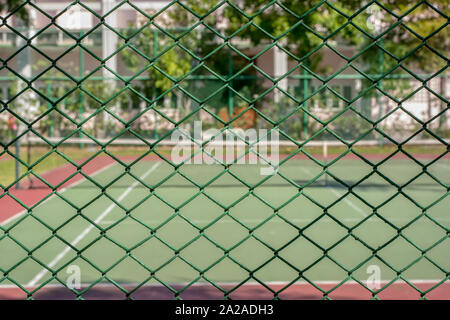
x,y
305,73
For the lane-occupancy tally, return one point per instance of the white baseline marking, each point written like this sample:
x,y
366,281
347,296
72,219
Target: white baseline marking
x,y
83,234
293,220
21,213
442,165
232,283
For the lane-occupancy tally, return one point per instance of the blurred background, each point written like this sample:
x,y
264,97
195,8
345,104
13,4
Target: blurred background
x,y
299,66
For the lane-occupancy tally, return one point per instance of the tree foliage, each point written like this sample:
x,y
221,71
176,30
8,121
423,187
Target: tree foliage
x,y
15,6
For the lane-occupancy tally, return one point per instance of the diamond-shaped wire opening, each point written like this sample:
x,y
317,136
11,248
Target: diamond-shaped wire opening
x,y
397,35
423,15
399,124
122,268
66,86
322,240
350,126
374,20
391,255
375,199
435,232
266,272
266,194
74,18
18,272
423,104
220,233
135,55
440,125
194,253
238,189
251,212
247,33
326,27
436,254
100,123
325,266
184,272
227,270
111,253
137,19
78,64
434,274
389,211
211,89
425,60
201,41
203,217
19,252
375,231
154,253
276,233
349,36
251,253
425,199
326,54
164,69
88,275
350,252
165,20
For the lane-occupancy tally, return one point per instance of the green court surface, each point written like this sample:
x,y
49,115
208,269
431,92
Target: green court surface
x,y
226,231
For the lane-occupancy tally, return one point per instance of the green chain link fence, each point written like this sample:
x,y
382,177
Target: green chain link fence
x,y
350,68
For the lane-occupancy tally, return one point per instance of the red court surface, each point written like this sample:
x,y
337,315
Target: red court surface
x,y
297,291
10,201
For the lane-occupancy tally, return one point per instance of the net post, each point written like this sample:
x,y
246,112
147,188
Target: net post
x,y
30,180
17,164
49,106
325,159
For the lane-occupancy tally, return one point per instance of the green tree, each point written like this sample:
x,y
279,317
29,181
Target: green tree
x,y
11,5
66,113
299,26
186,49
418,45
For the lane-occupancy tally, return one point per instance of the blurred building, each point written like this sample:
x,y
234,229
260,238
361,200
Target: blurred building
x,y
52,40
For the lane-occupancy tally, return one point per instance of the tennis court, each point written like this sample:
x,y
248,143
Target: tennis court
x,y
153,225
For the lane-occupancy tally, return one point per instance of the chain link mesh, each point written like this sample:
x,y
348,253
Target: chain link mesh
x,y
190,61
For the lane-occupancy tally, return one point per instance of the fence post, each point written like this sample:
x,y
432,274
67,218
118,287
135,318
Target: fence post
x,y
81,107
305,103
49,105
24,68
230,85
155,53
380,85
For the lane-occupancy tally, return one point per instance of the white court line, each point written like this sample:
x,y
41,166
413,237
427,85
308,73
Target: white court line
x,y
351,204
326,219
446,166
83,234
231,283
21,213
